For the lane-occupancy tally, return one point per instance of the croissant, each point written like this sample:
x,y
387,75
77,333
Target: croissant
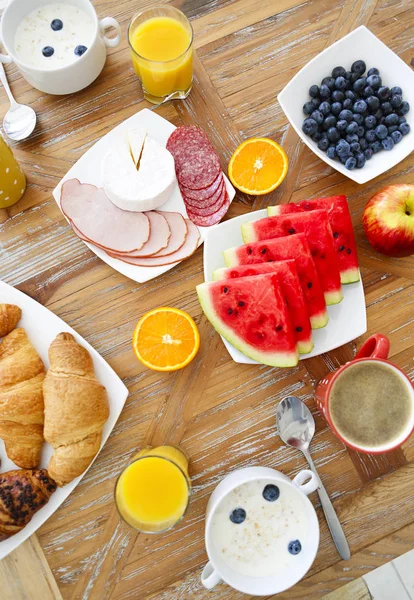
x,y
10,315
21,399
76,409
22,493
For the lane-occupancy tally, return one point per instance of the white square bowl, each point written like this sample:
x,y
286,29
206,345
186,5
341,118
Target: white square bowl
x,y
364,45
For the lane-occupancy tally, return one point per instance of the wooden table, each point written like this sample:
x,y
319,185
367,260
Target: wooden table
x,y
221,413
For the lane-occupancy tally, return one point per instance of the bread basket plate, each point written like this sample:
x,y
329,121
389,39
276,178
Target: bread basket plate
x,y
88,169
42,326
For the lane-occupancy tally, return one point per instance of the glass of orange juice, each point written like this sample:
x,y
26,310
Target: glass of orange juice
x,y
161,42
153,492
12,178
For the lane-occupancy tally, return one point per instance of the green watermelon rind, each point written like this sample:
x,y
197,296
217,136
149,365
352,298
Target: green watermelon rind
x,y
248,233
230,257
334,297
272,359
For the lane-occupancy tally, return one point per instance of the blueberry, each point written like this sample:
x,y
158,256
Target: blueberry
x,y
378,114
80,50
358,67
386,108
374,81
324,91
352,127
316,136
348,75
360,106
387,143
363,143
309,126
314,91
370,136
48,51
338,72
396,136
342,125
373,103
360,131
391,119
336,108
325,108
396,90
368,91
404,108
375,146
368,153
370,122
347,103
317,116
350,163
346,115
315,103
333,135
401,120
358,118
238,516
355,77
383,92
350,138
404,128
381,132
350,94
343,159
392,128
294,547
337,96
323,144
342,148
331,152
330,121
355,147
56,25
373,71
329,82
340,83
360,160
271,492
359,85
396,100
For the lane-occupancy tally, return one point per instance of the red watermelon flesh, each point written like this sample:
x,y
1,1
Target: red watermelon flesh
x,y
342,229
251,313
294,246
315,226
291,290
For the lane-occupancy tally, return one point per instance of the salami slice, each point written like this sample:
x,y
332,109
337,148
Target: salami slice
x,y
206,211
201,171
204,203
210,220
204,193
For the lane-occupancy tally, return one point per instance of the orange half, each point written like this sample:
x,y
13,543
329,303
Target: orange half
x,y
258,166
166,339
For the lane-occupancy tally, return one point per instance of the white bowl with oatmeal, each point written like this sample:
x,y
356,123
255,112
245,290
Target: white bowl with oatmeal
x,y
262,532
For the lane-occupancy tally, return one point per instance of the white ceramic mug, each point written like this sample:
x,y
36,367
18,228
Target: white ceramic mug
x,y
216,570
66,79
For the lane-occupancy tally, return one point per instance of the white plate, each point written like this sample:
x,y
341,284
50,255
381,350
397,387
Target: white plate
x,y
88,170
42,326
347,320
359,44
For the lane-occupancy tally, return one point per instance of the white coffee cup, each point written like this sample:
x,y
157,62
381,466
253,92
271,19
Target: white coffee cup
x,y
216,570
66,79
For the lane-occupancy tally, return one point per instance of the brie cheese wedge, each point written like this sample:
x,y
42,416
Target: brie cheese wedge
x,y
138,174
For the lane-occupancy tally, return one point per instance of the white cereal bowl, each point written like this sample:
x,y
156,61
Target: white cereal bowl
x,y
359,44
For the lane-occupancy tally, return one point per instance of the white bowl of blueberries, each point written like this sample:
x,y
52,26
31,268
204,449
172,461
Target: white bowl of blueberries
x,y
351,106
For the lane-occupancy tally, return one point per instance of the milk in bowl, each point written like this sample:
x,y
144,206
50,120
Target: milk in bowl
x,y
53,36
260,528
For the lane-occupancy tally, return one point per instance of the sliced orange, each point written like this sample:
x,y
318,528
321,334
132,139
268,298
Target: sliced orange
x,y
166,339
258,166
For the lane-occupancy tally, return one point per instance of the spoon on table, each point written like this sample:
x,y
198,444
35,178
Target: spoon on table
x,y
296,428
179,95
20,120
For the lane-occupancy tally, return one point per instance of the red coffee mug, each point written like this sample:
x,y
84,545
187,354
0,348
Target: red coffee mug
x,y
376,348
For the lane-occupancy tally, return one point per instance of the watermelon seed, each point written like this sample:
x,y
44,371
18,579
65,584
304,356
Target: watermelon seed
x,y
260,335
249,250
299,329
263,250
407,212
336,234
322,255
230,311
241,303
291,230
279,328
348,251
341,248
309,284
225,289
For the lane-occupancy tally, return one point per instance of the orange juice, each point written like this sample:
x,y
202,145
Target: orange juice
x,y
161,48
12,178
152,493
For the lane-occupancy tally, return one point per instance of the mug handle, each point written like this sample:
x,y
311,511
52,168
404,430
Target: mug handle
x,y
105,24
310,486
5,58
376,346
209,577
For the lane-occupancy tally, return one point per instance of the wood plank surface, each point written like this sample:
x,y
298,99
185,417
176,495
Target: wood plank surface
x,y
221,413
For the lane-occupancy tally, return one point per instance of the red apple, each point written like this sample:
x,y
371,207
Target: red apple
x,y
389,220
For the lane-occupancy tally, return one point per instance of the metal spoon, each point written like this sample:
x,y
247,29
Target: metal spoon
x,y
20,120
179,95
296,428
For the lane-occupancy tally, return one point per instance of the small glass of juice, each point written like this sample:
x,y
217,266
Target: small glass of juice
x,y
12,178
161,42
153,492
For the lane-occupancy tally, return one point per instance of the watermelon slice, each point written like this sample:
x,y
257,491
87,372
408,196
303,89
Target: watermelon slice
x,y
315,226
294,246
291,290
251,313
341,225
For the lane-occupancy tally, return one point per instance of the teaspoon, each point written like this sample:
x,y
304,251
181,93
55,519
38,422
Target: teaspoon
x,y
20,120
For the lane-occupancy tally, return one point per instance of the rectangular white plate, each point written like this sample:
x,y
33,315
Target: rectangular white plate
x,y
88,170
42,326
359,44
347,320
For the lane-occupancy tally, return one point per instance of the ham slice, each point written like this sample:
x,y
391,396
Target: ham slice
x,y
179,231
159,237
94,216
187,249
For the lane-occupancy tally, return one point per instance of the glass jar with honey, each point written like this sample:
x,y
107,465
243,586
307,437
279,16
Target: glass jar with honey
x,y
12,178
